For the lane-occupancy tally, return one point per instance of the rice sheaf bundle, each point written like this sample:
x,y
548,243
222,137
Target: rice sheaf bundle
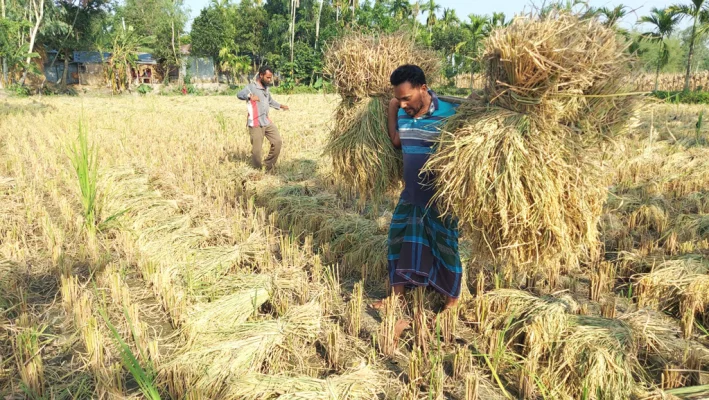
x,y
360,66
561,68
364,383
205,363
569,355
522,170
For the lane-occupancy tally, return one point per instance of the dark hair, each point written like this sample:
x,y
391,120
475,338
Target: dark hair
x,y
264,69
408,73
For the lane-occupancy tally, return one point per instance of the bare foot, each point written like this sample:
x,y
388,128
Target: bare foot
x,y
450,303
400,327
377,305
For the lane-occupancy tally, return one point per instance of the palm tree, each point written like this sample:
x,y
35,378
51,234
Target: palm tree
x,y
431,7
450,18
498,19
479,27
664,22
400,9
699,12
613,15
219,4
415,11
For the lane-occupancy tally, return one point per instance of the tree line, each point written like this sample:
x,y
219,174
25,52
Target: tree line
x,y
290,35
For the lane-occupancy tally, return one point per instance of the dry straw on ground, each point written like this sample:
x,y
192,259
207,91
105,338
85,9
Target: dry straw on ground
x,y
563,355
364,383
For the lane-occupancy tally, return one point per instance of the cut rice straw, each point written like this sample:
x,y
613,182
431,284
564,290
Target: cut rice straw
x,y
364,383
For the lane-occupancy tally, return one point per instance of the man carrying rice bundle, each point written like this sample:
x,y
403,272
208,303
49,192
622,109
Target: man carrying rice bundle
x,y
423,246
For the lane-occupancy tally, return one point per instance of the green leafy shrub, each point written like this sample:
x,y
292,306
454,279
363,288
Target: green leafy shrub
x,y
144,89
677,97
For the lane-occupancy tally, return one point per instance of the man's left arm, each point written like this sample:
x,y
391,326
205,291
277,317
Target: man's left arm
x,y
273,103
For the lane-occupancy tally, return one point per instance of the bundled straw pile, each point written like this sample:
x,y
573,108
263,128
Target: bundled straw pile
x,y
521,170
360,66
564,355
205,363
364,383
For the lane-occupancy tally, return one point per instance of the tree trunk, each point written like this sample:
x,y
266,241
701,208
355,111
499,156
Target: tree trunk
x,y
317,25
38,10
472,66
65,73
174,50
689,55
3,78
293,6
657,73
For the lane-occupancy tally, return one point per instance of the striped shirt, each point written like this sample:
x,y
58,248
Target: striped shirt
x,y
418,135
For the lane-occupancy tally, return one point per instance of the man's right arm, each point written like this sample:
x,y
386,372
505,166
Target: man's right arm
x,y
393,123
244,93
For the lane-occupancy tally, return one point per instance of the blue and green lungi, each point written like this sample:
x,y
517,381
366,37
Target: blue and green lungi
x,y
423,246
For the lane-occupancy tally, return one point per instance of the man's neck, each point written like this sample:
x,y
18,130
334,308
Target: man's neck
x,y
260,84
427,99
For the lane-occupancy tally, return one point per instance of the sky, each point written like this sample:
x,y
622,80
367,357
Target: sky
x,y
509,7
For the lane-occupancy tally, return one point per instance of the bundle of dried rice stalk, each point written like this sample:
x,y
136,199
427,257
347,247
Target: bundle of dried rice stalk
x,y
523,187
598,359
561,68
360,66
537,324
362,153
695,300
564,355
229,311
520,170
663,286
364,383
205,363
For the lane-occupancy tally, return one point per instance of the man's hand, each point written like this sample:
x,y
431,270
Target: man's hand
x,y
284,107
474,96
253,97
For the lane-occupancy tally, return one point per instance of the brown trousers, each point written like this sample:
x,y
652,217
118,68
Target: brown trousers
x,y
257,134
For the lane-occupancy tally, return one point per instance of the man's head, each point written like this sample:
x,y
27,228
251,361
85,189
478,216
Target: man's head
x,y
265,75
410,88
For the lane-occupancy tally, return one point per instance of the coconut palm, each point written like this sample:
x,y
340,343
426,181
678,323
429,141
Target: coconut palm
x,y
698,10
479,27
450,18
400,9
431,7
613,15
664,22
498,19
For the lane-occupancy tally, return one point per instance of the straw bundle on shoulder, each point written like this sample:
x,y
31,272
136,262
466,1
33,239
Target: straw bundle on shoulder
x,y
360,66
560,68
513,178
520,170
362,153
